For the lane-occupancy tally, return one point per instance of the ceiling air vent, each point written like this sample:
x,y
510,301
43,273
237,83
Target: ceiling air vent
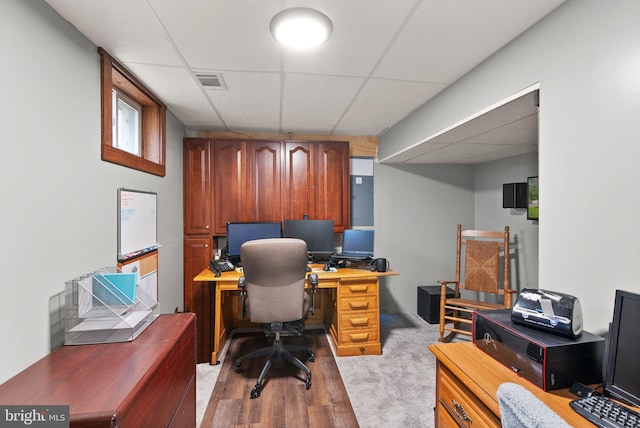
x,y
212,81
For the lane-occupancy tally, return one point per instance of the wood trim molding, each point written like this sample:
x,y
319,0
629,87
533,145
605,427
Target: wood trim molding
x,y
358,145
153,121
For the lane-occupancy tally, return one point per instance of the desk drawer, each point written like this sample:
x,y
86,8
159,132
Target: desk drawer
x,y
358,337
362,303
358,320
461,404
358,288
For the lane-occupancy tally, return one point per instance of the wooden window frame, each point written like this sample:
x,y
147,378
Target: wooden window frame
x,y
153,120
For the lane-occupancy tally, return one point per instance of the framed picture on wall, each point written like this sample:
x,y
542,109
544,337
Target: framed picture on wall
x,y
533,201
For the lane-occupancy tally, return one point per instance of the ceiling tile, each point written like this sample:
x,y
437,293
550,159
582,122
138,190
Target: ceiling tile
x,y
385,102
315,102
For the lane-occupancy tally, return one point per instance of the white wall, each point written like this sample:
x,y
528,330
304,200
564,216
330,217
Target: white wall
x,y
58,217
489,214
586,58
416,212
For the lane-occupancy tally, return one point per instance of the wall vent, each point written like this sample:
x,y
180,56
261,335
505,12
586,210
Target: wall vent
x,y
212,81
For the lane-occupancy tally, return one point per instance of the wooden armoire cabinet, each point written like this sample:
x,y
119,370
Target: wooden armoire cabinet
x,y
254,180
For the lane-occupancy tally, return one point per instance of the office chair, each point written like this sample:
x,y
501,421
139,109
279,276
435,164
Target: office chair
x,y
273,294
481,251
519,408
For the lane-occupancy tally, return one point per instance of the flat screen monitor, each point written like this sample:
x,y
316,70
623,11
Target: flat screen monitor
x,y
240,232
318,234
622,376
358,242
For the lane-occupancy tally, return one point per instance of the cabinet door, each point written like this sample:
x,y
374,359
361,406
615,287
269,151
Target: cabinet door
x,y
197,186
265,180
332,183
230,187
198,250
299,180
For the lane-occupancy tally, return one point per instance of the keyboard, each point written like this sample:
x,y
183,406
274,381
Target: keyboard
x,y
605,413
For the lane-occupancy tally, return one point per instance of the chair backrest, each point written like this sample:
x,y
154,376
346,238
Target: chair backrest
x,y
275,273
482,251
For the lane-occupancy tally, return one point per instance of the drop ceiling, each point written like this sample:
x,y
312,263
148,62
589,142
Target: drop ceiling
x,y
384,59
509,129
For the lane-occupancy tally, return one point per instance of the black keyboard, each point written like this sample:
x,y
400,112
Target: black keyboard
x,y
605,413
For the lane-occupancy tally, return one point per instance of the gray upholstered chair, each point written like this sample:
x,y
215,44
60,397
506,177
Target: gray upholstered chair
x,y
274,295
519,408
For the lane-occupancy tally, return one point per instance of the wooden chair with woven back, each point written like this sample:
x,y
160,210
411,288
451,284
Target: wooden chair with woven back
x,y
480,254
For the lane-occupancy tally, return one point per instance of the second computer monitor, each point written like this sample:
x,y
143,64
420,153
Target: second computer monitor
x,y
240,232
318,234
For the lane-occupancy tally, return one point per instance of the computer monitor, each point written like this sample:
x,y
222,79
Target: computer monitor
x,y
318,234
622,377
240,232
355,241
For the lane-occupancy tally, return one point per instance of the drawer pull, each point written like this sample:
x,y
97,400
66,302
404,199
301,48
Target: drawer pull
x,y
359,305
358,288
359,321
462,413
359,337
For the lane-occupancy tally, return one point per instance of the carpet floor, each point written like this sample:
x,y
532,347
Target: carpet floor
x,y
395,389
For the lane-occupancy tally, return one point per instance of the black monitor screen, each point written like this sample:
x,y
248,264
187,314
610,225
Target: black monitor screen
x,y
318,234
357,241
622,378
240,232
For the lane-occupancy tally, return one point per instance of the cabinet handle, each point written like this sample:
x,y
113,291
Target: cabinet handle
x,y
359,305
359,321
207,227
358,288
462,413
206,245
359,337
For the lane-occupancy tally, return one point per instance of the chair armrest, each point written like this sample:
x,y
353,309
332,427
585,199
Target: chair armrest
x,y
243,293
313,281
443,288
508,299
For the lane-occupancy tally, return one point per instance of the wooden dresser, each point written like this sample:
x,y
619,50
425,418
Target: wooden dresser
x,y
467,380
148,382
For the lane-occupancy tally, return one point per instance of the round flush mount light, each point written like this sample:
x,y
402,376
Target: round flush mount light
x,y
301,27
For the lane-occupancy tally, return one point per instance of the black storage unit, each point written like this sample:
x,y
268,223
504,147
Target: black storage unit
x,y
429,302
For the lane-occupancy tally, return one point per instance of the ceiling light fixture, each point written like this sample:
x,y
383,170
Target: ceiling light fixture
x,y
301,27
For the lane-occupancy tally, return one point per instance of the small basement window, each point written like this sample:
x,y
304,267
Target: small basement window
x,y
133,120
126,130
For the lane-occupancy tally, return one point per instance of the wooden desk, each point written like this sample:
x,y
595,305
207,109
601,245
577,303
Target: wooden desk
x,y
348,304
149,381
471,378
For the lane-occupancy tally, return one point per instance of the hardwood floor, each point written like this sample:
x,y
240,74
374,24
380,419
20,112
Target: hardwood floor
x,y
284,401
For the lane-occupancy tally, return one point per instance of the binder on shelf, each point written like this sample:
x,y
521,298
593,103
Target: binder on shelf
x,y
106,306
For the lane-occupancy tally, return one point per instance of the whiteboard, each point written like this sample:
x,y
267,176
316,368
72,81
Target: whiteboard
x,y
137,223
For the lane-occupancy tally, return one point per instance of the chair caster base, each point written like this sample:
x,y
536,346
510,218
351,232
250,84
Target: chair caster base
x,y
256,390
